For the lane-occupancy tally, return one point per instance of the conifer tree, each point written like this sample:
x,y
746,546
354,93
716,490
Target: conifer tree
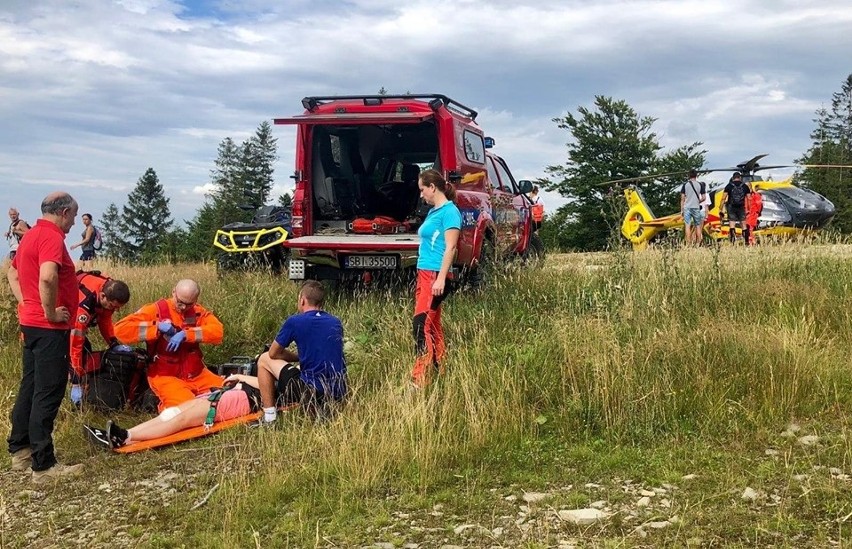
x,y
112,233
146,218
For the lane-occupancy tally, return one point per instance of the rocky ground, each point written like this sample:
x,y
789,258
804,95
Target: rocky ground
x,y
138,506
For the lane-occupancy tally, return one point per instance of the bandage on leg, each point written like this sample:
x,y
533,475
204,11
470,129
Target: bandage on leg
x,y
170,413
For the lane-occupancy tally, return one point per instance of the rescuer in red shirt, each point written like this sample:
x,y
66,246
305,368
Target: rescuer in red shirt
x,y
42,279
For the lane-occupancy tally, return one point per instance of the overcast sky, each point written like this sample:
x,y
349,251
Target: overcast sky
x,y
93,92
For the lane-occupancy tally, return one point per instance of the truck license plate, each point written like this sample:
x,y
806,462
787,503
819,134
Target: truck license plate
x,y
370,262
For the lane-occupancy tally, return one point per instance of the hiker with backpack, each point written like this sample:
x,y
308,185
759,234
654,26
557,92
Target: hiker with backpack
x,y
88,244
734,201
17,229
100,296
173,329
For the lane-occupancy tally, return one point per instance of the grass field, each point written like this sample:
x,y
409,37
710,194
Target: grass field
x,y
693,397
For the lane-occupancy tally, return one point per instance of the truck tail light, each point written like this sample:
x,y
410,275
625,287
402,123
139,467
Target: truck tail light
x,y
297,223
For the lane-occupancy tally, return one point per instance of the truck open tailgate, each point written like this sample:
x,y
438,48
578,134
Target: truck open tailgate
x,y
356,242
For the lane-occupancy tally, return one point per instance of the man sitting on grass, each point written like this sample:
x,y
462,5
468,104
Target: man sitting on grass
x,y
319,382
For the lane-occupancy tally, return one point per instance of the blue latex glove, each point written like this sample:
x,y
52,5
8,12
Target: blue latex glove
x,y
166,327
76,394
175,341
123,349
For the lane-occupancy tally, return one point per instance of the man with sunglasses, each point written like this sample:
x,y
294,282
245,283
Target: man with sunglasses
x,y
42,279
173,329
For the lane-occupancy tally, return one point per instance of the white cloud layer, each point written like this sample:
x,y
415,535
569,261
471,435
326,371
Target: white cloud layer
x,y
92,93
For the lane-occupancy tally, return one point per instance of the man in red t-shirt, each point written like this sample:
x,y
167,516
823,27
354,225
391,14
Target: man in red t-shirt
x,y
43,281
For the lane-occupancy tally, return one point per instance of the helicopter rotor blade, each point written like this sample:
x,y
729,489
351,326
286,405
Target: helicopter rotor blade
x,y
773,167
708,170
749,165
824,165
639,178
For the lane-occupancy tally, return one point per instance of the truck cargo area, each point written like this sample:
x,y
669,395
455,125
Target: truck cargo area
x,y
362,171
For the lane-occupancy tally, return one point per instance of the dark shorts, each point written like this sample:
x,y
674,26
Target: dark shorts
x,y
87,255
736,213
292,390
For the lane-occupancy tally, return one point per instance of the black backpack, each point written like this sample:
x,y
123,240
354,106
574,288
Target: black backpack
x,y
737,194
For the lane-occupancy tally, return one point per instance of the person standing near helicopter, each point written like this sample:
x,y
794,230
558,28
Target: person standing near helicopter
x,y
692,196
734,199
755,207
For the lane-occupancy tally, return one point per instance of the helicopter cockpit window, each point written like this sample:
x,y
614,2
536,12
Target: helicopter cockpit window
x,y
803,198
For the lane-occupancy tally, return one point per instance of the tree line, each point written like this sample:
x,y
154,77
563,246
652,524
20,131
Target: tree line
x,y
143,231
609,141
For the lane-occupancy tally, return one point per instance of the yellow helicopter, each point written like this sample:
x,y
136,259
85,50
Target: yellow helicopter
x,y
787,210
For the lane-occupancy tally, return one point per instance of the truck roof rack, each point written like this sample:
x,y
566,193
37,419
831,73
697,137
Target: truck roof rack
x,y
312,102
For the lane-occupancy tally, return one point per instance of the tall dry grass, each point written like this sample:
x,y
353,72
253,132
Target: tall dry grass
x,y
628,347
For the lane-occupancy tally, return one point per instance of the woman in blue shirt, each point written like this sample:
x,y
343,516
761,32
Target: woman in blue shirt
x,y
439,237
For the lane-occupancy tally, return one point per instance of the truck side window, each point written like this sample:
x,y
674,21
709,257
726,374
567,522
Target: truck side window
x,y
505,177
492,175
474,147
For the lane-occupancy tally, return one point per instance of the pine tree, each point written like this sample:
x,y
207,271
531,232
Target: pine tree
x,y
264,154
285,200
146,218
112,233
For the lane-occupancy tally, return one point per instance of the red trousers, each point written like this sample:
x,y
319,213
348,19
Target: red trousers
x,y
426,327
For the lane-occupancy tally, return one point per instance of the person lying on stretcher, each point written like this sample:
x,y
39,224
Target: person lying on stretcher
x,y
239,397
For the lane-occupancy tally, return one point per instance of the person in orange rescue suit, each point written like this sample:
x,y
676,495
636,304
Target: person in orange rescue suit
x,y
755,207
173,329
100,297
439,237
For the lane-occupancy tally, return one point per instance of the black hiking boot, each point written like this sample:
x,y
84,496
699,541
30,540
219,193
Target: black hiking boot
x,y
116,436
96,437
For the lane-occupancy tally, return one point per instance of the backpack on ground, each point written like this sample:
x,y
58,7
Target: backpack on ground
x,y
111,386
97,240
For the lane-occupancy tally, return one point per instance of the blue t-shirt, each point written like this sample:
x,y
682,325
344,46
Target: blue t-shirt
x,y
433,242
319,341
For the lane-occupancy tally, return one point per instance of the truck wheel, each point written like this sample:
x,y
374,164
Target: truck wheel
x,y
535,249
226,263
484,270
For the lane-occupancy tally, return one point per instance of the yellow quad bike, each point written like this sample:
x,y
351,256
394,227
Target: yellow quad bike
x,y
255,245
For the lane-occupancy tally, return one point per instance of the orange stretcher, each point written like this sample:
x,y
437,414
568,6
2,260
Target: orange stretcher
x,y
193,433
186,434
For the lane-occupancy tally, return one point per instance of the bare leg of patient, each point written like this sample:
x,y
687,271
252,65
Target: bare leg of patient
x,y
193,413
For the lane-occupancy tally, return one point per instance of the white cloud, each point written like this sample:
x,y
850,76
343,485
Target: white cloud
x,y
93,93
